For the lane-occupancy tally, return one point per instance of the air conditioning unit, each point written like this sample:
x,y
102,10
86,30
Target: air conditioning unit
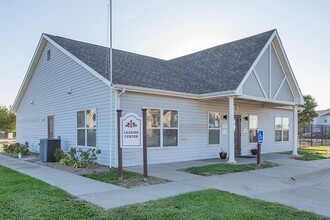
x,y
47,149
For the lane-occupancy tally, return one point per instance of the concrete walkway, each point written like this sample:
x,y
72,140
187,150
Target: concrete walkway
x,y
304,185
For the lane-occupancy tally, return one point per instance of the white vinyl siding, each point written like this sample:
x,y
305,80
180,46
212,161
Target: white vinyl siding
x,y
193,123
48,89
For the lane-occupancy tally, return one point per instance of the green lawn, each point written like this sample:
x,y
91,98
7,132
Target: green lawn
x,y
218,169
23,197
311,153
130,178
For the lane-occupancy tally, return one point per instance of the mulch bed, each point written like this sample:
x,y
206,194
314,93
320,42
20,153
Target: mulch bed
x,y
79,171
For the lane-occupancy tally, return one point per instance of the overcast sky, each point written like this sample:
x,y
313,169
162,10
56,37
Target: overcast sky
x,y
168,29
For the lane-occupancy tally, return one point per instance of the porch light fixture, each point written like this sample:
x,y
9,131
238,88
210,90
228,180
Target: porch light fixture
x,y
246,118
225,117
32,102
69,91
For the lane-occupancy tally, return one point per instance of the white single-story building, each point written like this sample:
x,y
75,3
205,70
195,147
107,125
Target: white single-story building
x,y
197,104
323,118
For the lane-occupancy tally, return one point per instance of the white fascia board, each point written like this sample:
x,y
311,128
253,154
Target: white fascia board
x,y
213,95
173,93
259,99
29,73
289,66
84,65
155,91
239,88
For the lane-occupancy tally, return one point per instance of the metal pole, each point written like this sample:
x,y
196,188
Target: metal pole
x,y
145,160
259,155
322,135
110,75
311,134
110,41
120,155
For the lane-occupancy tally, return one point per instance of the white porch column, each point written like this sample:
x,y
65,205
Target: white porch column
x,y
295,131
231,148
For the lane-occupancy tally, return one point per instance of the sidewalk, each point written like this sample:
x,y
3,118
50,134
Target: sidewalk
x,y
304,185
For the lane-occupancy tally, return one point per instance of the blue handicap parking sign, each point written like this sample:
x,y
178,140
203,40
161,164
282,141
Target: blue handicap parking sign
x,y
260,137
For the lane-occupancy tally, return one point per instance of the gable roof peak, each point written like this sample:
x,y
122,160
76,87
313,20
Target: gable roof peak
x,y
217,69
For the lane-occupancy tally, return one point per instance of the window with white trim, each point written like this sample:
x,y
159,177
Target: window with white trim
x,y
162,128
86,128
281,129
253,128
214,128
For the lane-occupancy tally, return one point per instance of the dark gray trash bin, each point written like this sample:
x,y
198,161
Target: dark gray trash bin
x,y
47,149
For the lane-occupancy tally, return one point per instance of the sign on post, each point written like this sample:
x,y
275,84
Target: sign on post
x,y
131,131
260,137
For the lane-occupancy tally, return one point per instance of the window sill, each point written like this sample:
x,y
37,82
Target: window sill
x,y
214,145
84,147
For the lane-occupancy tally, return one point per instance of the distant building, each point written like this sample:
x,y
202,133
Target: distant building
x,y
323,118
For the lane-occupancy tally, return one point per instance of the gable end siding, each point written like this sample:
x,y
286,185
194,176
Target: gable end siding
x,y
48,91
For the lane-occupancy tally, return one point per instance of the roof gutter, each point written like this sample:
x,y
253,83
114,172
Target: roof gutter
x,y
155,91
206,96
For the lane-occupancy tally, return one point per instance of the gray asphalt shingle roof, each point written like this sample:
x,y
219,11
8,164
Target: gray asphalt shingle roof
x,y
216,69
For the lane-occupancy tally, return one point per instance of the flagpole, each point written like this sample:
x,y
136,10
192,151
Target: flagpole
x,y
110,79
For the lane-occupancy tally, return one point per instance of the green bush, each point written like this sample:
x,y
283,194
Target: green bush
x,y
65,162
73,155
84,158
17,148
89,156
59,154
79,164
24,149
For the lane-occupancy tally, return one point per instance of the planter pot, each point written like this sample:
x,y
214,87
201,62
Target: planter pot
x,y
223,155
254,151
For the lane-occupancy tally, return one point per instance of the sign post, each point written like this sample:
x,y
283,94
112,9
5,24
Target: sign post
x,y
120,155
145,161
130,135
260,140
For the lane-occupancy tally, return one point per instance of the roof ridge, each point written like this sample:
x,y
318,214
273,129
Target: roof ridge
x,y
220,45
91,44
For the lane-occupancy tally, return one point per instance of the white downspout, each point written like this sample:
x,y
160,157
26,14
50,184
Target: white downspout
x,y
116,126
118,99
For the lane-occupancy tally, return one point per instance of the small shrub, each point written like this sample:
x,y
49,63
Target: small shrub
x,y
73,155
23,149
79,164
65,161
59,154
89,156
17,148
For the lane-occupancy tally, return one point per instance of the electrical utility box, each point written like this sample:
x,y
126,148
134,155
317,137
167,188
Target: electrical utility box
x,y
47,149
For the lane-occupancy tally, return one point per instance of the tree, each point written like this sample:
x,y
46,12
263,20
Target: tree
x,y
7,120
309,113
